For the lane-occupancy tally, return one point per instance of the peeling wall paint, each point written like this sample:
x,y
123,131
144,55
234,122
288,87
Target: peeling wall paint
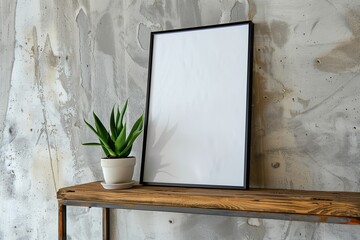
x,y
61,60
7,49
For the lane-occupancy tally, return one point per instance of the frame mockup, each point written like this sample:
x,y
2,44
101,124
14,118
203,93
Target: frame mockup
x,y
197,120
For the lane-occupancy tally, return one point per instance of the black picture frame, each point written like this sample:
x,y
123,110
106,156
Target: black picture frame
x,y
198,109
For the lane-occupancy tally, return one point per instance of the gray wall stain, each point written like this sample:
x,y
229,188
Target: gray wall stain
x,y
155,11
144,36
9,177
35,53
85,58
238,12
105,35
279,31
303,102
48,54
345,57
211,12
45,63
7,50
353,20
252,9
189,13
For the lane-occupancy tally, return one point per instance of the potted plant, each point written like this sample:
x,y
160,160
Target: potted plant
x,y
117,166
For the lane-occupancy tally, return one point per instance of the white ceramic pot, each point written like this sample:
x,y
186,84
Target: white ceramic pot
x,y
118,170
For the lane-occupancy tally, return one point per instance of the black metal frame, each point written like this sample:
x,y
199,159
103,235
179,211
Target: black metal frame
x,y
248,106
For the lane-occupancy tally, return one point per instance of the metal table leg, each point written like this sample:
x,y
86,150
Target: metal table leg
x,y
106,223
62,221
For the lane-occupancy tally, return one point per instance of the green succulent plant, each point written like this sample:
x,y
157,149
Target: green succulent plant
x,y
115,143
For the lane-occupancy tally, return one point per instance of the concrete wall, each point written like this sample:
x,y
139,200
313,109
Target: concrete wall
x,y
61,60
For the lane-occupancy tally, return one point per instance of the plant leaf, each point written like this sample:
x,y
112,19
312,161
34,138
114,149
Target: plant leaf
x,y
119,124
103,140
108,148
137,127
114,142
100,127
104,135
98,144
127,153
120,141
91,127
111,143
113,126
91,144
117,117
105,151
130,142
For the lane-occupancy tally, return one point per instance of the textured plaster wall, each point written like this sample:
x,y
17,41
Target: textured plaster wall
x,y
61,60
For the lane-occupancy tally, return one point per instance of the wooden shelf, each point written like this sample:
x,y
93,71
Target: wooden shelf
x,y
313,206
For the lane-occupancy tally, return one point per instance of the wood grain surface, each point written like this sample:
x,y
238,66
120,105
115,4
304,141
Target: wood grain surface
x,y
293,202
